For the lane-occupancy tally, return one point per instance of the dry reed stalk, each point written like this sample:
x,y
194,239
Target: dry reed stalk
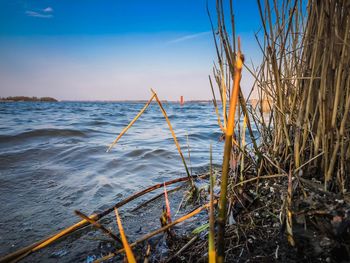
x,y
243,146
187,245
148,253
227,154
307,64
224,72
211,236
99,226
154,96
131,123
129,254
175,140
155,198
216,107
289,217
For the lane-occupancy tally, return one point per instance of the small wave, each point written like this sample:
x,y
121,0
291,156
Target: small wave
x,y
136,152
205,136
97,123
42,133
103,190
158,153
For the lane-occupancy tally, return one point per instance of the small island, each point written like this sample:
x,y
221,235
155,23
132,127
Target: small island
x,y
24,98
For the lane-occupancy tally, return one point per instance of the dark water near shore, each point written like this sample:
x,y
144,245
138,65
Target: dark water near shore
x,y
53,160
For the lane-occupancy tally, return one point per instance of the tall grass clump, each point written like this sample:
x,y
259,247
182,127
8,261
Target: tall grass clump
x,y
305,74
303,87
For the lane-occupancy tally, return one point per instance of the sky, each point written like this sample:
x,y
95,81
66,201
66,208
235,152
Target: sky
x,y
114,50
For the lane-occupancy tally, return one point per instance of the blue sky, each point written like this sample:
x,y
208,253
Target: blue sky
x,y
113,50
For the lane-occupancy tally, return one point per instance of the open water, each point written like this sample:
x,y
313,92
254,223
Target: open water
x,y
53,160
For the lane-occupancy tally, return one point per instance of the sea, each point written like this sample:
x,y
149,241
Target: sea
x,y
53,161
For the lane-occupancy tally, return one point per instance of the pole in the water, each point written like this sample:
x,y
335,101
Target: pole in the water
x,y
182,102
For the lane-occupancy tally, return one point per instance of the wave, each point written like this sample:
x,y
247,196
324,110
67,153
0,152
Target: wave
x,y
97,123
42,133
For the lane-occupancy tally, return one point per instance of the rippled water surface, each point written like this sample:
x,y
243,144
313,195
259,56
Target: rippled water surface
x,y
53,160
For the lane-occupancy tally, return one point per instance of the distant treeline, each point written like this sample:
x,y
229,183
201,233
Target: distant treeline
x,y
23,98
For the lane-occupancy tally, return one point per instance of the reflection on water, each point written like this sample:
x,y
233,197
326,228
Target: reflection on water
x,y
53,160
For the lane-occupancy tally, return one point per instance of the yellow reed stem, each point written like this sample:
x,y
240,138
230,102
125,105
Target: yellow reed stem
x,y
211,241
129,254
131,123
174,137
227,155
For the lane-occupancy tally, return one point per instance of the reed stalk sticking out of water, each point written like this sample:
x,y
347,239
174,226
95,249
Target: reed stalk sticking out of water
x,y
194,188
227,155
129,254
131,123
211,236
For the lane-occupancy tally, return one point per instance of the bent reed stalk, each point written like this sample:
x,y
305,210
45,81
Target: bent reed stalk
x,y
175,140
155,96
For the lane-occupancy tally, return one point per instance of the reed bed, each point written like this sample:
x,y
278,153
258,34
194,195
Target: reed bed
x,y
306,76
302,113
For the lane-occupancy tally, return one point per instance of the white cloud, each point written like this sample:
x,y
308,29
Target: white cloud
x,y
188,37
48,9
38,14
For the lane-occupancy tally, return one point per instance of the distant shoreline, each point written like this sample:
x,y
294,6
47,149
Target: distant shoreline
x,y
50,99
138,101
27,99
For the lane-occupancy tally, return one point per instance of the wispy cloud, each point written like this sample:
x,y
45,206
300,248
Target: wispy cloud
x,y
48,9
43,13
188,37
